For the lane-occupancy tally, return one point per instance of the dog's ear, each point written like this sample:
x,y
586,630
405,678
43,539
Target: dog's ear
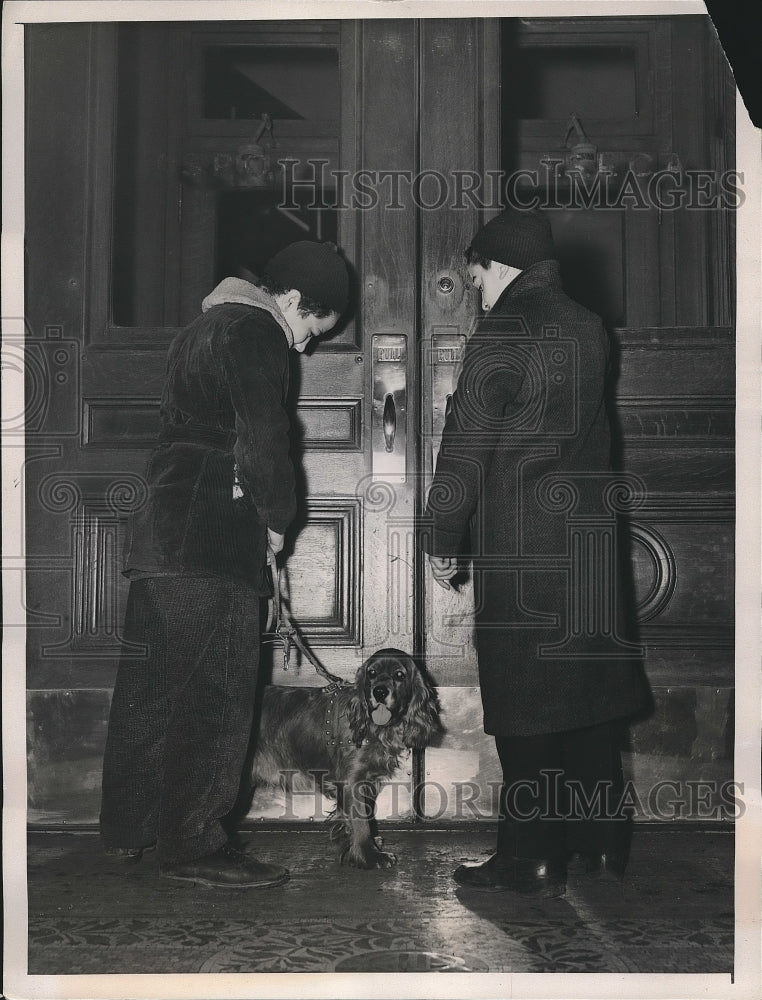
x,y
357,709
421,720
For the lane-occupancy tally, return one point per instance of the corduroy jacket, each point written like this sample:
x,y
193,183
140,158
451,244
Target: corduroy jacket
x,y
220,474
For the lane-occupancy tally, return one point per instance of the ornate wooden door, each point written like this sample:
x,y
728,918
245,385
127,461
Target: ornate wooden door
x,y
152,168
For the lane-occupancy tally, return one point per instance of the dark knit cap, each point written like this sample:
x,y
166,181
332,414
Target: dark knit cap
x,y
317,270
516,237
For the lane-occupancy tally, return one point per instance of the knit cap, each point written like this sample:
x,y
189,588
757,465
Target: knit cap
x,y
516,237
315,269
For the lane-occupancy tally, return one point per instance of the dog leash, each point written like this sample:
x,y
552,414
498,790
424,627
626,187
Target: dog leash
x,y
283,629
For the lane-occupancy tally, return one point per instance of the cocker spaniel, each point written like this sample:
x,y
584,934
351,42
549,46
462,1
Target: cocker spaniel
x,y
350,738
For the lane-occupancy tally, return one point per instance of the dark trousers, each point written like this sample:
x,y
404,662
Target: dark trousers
x,y
562,792
181,716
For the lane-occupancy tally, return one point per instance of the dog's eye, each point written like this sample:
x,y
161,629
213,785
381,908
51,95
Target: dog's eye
x,y
400,675
371,672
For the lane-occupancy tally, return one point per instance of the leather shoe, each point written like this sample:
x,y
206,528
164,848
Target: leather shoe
x,y
528,876
605,865
228,868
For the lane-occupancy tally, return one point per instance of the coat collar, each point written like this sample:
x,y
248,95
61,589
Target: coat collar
x,y
543,274
245,293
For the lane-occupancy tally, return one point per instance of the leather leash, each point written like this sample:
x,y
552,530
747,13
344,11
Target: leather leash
x,y
283,629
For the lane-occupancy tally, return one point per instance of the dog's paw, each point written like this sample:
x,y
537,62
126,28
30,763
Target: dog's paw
x,y
338,831
383,859
369,859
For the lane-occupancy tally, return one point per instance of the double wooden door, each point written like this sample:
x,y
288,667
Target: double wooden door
x,y
163,157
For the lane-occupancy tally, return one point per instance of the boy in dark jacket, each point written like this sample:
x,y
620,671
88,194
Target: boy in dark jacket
x,y
221,489
524,472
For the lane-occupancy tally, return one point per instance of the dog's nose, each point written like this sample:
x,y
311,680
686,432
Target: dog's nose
x,y
380,693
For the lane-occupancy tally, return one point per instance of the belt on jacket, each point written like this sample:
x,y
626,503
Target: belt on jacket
x,y
215,437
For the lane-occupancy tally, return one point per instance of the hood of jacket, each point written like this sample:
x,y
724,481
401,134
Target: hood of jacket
x,y
236,290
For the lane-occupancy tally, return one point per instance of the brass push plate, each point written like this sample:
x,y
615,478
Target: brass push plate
x,y
446,356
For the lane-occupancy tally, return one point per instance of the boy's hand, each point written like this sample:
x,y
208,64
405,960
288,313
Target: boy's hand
x,y
444,568
275,541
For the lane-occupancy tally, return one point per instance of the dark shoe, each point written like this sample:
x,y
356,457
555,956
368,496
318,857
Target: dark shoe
x,y
130,855
528,876
604,865
228,868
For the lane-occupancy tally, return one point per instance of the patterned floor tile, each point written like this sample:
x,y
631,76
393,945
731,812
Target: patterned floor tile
x,y
91,915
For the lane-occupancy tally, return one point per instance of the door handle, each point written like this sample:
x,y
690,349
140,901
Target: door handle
x,y
389,416
390,422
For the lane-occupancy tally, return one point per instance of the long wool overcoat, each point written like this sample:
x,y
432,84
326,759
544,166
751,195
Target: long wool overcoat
x,y
221,473
523,487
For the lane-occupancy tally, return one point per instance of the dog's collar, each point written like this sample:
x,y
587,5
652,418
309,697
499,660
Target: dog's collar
x,y
332,716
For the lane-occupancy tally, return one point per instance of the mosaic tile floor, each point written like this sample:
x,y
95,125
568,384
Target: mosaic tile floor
x,y
89,914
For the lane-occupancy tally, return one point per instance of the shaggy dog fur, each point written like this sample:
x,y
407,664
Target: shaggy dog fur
x,y
350,738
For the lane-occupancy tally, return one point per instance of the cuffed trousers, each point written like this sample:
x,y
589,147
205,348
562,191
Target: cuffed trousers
x,y
181,715
562,792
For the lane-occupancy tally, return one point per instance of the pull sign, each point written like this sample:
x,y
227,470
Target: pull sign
x,y
449,355
390,353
